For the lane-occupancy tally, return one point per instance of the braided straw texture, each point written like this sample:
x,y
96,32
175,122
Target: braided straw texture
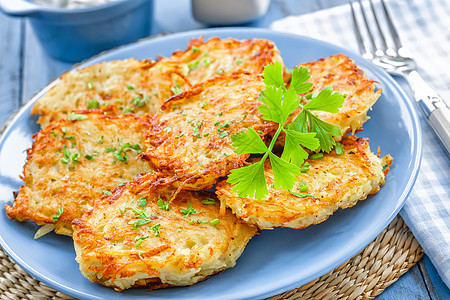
x,y
364,276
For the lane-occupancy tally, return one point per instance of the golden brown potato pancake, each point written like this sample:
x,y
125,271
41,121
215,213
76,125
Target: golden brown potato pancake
x,y
334,181
342,74
142,86
191,139
71,163
135,238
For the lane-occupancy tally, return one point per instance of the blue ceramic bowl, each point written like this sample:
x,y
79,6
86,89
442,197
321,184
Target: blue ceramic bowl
x,y
77,34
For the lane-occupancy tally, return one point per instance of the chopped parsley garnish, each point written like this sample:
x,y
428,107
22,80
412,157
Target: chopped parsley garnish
x,y
90,85
225,125
181,135
207,62
110,149
76,117
195,131
156,229
130,88
106,192
138,222
93,103
237,61
204,103
195,49
58,214
206,134
223,134
303,187
316,156
306,131
100,140
142,202
176,90
208,201
220,71
165,205
215,222
138,101
168,129
189,211
139,239
193,65
302,195
140,252
68,156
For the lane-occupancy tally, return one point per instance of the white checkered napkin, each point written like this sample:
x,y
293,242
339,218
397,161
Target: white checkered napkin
x,y
424,28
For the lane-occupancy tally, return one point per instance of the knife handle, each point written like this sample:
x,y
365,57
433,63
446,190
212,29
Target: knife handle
x,y
432,105
440,121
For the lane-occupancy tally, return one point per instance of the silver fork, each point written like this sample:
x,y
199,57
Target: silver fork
x,y
396,60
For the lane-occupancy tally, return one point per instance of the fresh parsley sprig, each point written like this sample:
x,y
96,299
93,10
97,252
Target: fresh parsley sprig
x,y
279,103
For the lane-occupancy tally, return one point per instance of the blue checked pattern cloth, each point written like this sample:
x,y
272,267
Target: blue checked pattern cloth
x,y
424,28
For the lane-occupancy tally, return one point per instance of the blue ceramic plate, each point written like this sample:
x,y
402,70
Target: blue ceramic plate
x,y
274,261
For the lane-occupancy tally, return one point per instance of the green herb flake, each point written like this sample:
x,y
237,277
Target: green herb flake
x,y
215,222
189,211
226,124
93,103
76,117
168,129
130,88
106,192
100,140
204,104
140,252
316,156
176,90
195,49
90,85
58,214
206,62
238,61
220,71
302,195
110,149
142,202
138,222
208,201
180,136
164,205
156,229
223,134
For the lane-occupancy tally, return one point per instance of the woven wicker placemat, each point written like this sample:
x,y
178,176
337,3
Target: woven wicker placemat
x,y
364,276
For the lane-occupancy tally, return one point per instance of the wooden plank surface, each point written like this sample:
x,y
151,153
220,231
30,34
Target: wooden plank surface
x,y
10,66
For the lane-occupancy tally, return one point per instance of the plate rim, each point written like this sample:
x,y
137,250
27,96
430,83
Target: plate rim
x,y
415,164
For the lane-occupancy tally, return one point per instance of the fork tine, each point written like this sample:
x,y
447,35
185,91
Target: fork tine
x,y
394,34
380,32
366,22
362,47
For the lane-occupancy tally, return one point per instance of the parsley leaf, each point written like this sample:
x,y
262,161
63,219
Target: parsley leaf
x,y
293,152
327,101
248,142
298,81
273,75
249,181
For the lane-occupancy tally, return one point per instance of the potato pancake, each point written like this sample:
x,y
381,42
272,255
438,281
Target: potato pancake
x,y
334,181
205,60
191,140
71,163
133,86
341,73
137,238
142,86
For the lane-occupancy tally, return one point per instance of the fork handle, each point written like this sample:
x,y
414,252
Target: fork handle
x,y
436,110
